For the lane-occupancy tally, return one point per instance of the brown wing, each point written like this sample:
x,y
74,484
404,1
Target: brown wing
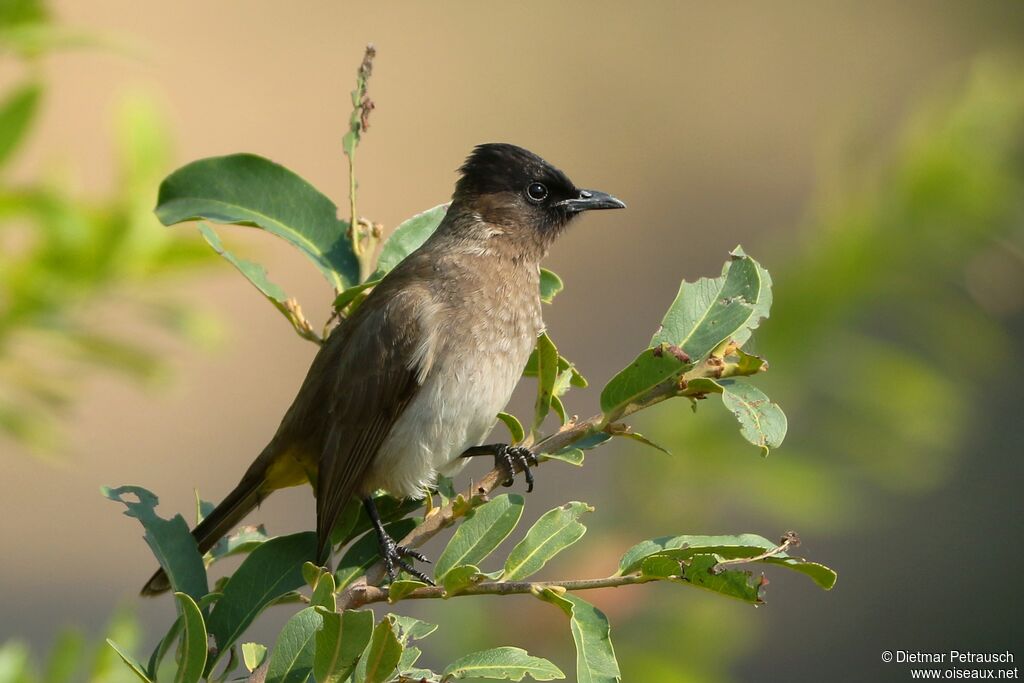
x,y
381,361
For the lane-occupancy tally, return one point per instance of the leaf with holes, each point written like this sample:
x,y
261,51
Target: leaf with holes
x,y
550,285
169,539
727,547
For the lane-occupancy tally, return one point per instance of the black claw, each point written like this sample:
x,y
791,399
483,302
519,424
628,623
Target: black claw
x,y
510,458
393,554
394,559
415,572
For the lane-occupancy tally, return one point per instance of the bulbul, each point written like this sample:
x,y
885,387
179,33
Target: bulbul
x,y
413,380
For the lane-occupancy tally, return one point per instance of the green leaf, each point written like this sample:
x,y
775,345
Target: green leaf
x,y
339,642
555,531
764,300
747,363
171,636
515,427
410,656
573,456
547,374
701,571
253,655
506,663
130,661
727,547
244,540
269,572
564,365
457,579
245,189
762,421
123,628
410,628
482,531
550,285
169,539
382,656
407,238
595,656
650,369
192,649
703,315
253,272
418,675
16,115
661,567
311,573
349,295
291,660
592,440
558,407
712,310
644,440
364,553
402,587
323,592
354,521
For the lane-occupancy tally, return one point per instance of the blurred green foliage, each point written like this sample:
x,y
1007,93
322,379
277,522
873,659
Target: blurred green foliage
x,y
892,313
74,270
73,657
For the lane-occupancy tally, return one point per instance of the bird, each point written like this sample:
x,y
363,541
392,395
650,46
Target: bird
x,y
410,385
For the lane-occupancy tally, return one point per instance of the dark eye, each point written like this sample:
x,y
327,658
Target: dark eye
x,y
537,192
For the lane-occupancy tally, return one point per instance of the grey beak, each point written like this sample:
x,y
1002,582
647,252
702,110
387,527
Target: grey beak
x,y
589,200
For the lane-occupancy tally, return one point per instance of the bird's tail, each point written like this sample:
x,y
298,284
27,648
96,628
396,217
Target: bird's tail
x,y
224,518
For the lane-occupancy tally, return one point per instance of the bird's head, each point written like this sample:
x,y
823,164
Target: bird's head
x,y
514,188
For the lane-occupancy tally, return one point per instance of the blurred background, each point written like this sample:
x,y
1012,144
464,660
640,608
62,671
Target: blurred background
x,y
869,154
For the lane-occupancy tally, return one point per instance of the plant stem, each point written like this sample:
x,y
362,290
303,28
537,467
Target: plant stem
x,y
353,224
362,239
370,594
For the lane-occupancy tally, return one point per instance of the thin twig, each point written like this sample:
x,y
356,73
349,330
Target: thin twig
x,y
371,594
359,122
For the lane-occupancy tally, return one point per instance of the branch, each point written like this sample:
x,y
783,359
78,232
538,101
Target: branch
x,y
714,367
366,595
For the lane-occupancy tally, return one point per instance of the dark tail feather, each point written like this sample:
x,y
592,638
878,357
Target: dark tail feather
x,y
223,519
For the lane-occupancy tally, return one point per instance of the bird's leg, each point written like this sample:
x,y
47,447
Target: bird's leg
x,y
393,554
508,459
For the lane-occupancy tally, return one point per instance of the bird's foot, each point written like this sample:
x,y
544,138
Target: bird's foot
x,y
394,560
508,459
512,459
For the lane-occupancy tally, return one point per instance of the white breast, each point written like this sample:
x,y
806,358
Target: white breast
x,y
453,410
